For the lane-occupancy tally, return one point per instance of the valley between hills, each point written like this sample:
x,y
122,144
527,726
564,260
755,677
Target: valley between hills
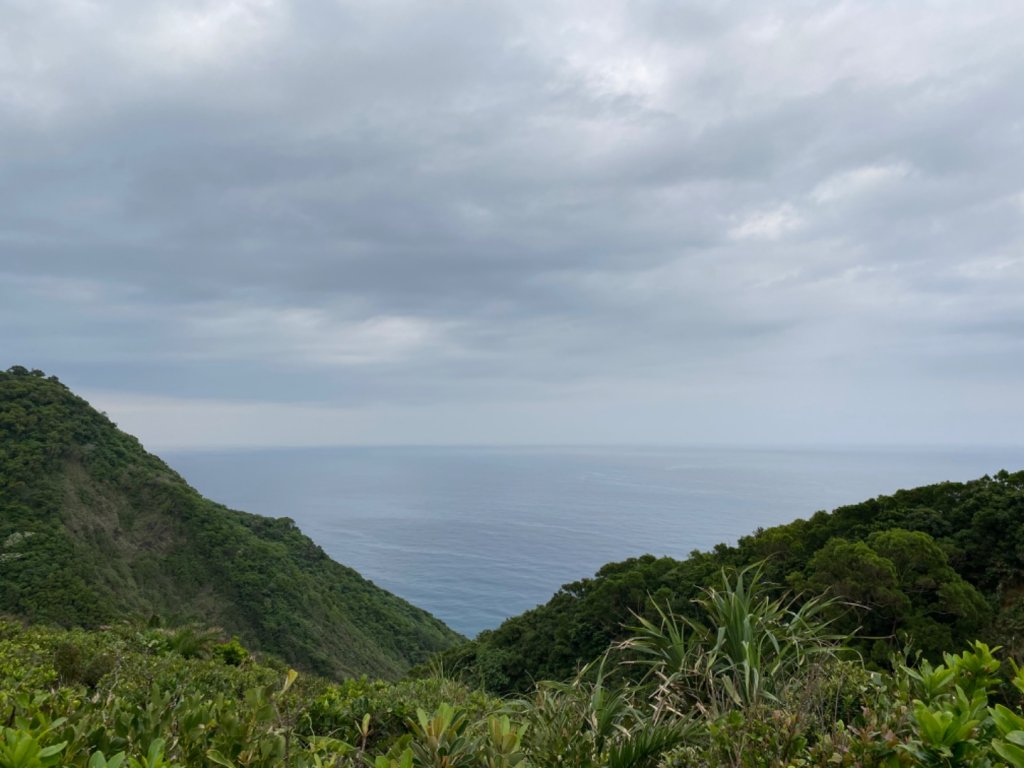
x,y
145,625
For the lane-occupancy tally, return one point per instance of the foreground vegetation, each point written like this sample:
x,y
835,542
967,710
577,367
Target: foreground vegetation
x,y
753,680
93,528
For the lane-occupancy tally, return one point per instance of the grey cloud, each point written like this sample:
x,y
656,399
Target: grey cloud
x,y
411,203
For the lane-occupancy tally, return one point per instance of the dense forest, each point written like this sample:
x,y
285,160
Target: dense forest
x,y
94,529
147,627
932,568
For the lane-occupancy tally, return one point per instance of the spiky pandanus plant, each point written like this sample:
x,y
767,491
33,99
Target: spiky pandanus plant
x,y
746,651
593,723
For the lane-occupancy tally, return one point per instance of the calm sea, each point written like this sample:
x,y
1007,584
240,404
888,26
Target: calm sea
x,y
475,535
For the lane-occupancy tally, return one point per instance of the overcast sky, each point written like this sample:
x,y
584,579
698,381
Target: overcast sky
x,y
274,222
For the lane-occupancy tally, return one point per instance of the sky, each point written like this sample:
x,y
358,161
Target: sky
x,y
245,223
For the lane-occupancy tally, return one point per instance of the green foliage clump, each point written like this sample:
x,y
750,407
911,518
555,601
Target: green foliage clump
x,y
344,710
901,585
231,652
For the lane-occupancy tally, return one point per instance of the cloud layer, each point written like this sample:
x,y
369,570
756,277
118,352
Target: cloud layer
x,y
506,222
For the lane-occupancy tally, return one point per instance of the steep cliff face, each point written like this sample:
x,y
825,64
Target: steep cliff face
x,y
93,528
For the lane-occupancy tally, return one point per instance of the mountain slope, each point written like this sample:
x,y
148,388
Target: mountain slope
x,y
936,566
93,527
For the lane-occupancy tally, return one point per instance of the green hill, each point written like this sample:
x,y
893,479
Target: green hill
x,y
94,528
934,567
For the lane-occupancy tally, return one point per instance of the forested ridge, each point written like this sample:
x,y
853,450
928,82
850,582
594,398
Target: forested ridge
x,y
932,567
94,529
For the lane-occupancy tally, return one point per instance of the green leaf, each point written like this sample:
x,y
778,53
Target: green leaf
x,y
51,750
216,757
1011,753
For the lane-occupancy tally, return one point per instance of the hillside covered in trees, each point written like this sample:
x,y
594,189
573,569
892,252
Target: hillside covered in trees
x,y
933,567
93,529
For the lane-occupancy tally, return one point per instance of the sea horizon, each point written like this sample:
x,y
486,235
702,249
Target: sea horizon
x,y
476,534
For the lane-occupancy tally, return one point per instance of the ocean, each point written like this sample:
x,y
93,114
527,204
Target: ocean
x,y
475,535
